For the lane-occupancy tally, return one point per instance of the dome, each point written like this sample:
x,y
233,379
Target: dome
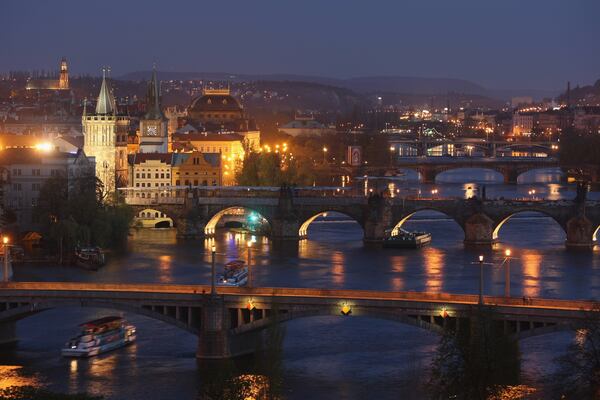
x,y
215,100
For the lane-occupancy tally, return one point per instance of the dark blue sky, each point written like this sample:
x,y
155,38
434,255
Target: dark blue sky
x,y
500,44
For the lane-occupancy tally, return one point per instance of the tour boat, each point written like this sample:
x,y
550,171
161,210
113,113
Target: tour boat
x,y
89,257
99,336
234,274
407,240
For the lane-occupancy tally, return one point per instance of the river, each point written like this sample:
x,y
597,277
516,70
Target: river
x,y
324,357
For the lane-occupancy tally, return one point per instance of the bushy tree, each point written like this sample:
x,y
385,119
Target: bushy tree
x,y
578,374
477,361
74,212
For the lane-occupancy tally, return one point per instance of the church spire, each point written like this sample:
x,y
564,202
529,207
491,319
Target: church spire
x,y
153,98
106,101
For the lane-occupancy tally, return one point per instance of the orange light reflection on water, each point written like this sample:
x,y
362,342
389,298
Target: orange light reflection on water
x,y
165,268
532,263
434,267
397,264
337,265
10,375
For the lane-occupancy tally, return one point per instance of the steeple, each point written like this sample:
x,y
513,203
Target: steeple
x,y
106,102
153,98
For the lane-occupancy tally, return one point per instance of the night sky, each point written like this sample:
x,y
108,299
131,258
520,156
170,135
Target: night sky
x,y
530,44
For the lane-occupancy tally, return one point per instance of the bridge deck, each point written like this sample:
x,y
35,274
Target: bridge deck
x,y
72,289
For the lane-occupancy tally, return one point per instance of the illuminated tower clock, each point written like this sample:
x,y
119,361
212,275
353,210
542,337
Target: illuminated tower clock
x,y
153,126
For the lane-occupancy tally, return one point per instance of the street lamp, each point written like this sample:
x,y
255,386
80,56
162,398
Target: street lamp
x,y
324,155
6,258
392,150
507,253
213,291
481,279
249,245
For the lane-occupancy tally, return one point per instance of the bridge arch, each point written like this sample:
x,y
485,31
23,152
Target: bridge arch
x,y
395,230
497,173
153,218
504,219
303,229
188,320
211,224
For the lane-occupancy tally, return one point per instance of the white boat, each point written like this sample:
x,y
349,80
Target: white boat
x,y
235,274
99,336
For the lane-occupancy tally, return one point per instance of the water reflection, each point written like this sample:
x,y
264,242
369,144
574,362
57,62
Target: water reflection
x,y
434,266
13,375
531,264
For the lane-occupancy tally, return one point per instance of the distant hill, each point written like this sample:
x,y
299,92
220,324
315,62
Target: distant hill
x,y
584,95
398,84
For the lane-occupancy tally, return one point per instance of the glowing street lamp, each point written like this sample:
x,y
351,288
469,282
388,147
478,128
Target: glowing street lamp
x,y
481,279
324,154
507,254
213,291
249,246
6,250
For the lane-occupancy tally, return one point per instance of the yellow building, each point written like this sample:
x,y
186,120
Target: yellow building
x,y
196,169
229,146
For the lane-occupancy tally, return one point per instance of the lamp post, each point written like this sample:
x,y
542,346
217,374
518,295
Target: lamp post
x,y
6,259
481,279
249,245
213,290
507,253
324,155
392,150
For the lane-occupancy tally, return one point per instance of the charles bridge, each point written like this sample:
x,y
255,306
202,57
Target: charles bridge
x,y
196,211
231,321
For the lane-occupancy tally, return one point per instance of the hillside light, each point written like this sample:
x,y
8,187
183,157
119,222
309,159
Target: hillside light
x,y
507,253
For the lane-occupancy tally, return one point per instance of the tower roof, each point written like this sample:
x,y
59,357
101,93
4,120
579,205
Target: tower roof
x,y
106,101
153,98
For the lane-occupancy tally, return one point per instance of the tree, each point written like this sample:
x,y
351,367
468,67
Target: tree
x,y
73,212
477,362
578,374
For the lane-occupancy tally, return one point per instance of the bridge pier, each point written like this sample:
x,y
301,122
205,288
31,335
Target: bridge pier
x,y
510,176
213,343
580,232
8,334
285,229
479,230
427,175
188,228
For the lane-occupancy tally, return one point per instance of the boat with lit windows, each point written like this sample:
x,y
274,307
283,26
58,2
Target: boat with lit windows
x,y
407,240
99,336
235,273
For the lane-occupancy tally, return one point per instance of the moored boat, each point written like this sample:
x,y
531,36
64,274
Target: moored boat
x,y
89,257
407,240
235,273
99,336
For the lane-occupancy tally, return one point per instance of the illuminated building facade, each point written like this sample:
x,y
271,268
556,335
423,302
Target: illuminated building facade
x,y
154,136
105,139
62,83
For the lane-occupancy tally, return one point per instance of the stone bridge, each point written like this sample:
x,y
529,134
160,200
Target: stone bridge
x,y
290,211
231,322
509,167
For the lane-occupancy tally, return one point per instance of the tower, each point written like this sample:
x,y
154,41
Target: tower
x,y
105,138
154,136
63,82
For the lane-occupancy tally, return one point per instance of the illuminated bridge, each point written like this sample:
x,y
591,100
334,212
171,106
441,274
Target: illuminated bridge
x,y
289,212
231,322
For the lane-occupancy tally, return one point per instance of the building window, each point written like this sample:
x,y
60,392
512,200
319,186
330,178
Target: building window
x,y
137,175
35,172
17,187
16,172
35,187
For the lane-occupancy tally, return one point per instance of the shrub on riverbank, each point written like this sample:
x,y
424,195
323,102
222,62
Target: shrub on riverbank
x,y
35,393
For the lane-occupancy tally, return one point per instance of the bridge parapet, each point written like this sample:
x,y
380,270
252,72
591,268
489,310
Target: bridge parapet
x,y
229,324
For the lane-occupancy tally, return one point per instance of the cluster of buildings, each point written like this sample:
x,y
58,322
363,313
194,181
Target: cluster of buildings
x,y
155,154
